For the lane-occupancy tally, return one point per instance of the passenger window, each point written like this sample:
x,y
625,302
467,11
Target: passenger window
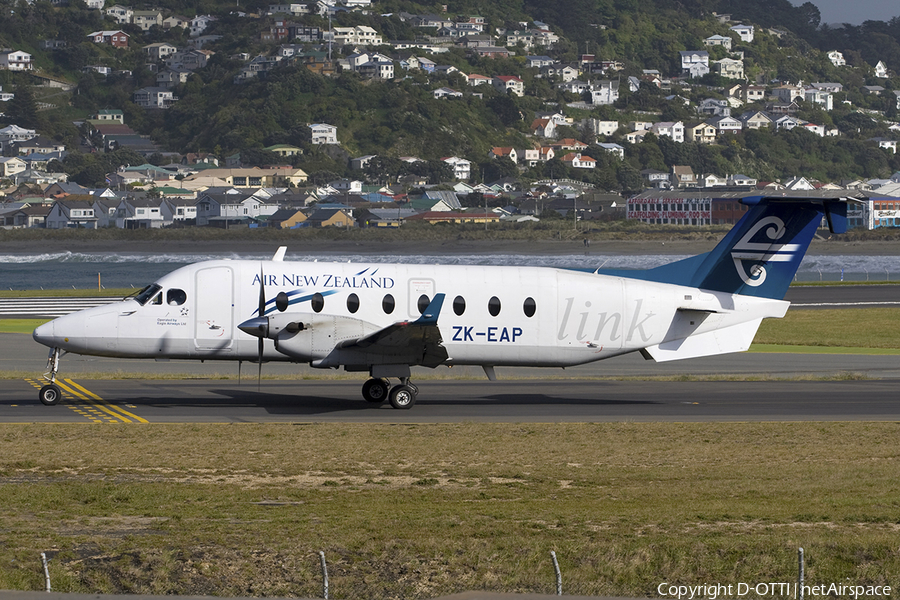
x,y
459,305
388,304
423,303
317,302
352,303
494,306
175,297
529,307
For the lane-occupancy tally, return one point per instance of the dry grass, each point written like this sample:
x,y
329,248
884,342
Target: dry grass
x,y
421,510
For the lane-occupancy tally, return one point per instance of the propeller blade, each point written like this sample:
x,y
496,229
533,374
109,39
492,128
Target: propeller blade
x,y
262,313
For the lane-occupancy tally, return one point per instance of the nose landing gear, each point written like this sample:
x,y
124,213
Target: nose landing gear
x,y
50,394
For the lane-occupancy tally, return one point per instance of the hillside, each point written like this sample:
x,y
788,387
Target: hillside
x,y
401,117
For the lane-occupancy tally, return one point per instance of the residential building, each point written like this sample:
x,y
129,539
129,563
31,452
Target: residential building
x,y
756,119
605,92
15,60
284,150
701,133
199,24
11,165
160,50
120,14
744,32
613,148
694,63
461,167
788,93
821,97
881,70
145,19
580,161
322,133
729,68
718,40
154,97
72,214
545,128
509,83
754,93
116,38
667,128
726,124
683,176
836,58
501,151
598,127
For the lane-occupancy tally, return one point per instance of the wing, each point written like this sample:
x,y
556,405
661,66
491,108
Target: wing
x,y
416,342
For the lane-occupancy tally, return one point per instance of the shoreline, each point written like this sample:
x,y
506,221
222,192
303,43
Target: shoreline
x,y
321,248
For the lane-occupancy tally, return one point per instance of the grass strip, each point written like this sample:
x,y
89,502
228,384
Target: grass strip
x,y
416,511
796,349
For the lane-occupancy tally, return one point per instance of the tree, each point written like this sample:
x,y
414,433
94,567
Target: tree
x,y
23,108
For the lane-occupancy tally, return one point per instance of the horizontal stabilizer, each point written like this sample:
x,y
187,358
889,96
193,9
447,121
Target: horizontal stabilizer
x,y
736,338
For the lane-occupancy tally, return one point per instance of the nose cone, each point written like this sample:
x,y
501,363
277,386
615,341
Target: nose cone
x,y
66,333
257,326
45,334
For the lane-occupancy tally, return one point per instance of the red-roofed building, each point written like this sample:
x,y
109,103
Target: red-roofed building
x,y
499,151
543,128
577,160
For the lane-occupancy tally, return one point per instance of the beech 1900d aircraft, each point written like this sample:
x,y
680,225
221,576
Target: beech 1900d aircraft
x,y
386,318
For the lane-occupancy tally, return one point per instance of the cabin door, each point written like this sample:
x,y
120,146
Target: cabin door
x,y
214,309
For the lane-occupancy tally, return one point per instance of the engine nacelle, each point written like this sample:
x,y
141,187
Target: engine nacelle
x,y
311,336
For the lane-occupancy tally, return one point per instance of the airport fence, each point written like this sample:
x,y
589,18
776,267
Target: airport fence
x,y
875,276
413,583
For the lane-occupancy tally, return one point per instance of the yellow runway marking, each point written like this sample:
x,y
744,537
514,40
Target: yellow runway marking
x,y
89,405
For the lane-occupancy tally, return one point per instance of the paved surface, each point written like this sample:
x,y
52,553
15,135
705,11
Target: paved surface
x,y
848,296
569,400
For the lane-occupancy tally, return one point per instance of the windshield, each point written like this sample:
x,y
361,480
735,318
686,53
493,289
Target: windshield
x,y
147,293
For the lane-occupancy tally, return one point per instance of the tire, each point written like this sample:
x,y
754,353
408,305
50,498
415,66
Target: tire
x,y
50,395
403,397
375,390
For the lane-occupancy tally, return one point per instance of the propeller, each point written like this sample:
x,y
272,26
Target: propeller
x,y
262,311
259,325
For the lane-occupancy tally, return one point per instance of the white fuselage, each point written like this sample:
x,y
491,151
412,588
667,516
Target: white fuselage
x,y
496,316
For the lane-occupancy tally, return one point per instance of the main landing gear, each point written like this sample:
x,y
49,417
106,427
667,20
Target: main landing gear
x,y
375,390
50,394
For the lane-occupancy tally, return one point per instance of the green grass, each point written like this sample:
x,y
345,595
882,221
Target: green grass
x,y
835,328
73,293
416,511
20,325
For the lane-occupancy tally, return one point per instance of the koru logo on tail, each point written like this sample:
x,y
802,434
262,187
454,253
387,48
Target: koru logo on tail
x,y
761,252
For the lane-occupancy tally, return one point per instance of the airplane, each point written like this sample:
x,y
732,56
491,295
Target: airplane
x,y
386,318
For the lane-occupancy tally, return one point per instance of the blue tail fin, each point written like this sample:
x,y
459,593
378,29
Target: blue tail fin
x,y
761,254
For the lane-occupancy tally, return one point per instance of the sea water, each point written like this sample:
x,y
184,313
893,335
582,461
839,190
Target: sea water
x,y
83,270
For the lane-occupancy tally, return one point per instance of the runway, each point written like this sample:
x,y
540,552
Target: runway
x,y
142,402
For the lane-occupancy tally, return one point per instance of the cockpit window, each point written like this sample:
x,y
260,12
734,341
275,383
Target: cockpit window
x,y
147,293
175,297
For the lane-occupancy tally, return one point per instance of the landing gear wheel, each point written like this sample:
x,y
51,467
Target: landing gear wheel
x,y
50,394
375,390
402,396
